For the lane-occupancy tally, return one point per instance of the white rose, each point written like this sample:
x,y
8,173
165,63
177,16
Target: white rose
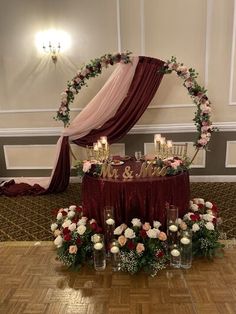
x,y
208,217
58,241
54,227
81,229
195,227
194,207
129,233
156,224
201,201
190,203
66,223
179,221
72,227
71,214
209,205
118,230
72,207
209,211
209,225
82,221
110,221
66,210
153,233
95,238
59,216
136,222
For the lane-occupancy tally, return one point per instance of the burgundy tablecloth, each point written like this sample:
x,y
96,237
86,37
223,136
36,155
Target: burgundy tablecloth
x,y
143,198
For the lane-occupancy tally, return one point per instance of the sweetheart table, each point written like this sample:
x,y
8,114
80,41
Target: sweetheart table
x,y
144,198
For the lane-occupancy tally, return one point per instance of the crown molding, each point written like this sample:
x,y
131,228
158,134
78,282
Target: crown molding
x,y
137,129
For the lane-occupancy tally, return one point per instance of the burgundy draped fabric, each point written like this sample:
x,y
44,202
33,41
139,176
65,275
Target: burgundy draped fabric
x,y
61,175
144,198
143,87
145,83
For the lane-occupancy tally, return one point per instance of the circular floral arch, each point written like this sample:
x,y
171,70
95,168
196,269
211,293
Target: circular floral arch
x,y
202,115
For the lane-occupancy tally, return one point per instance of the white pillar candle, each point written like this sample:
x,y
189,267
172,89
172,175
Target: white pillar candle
x,y
99,144
173,228
114,249
157,138
185,240
169,144
103,139
110,221
98,246
163,140
175,252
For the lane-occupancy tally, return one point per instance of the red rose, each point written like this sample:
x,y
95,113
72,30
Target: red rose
x,y
64,213
131,245
195,217
143,233
93,226
160,254
75,220
214,220
79,209
78,241
200,206
66,230
67,237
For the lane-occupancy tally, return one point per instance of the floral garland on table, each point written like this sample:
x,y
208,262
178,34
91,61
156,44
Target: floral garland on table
x,y
202,117
202,219
92,69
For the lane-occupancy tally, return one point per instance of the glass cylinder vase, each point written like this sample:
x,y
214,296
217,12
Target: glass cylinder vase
x,y
186,248
175,256
99,253
109,226
115,255
172,224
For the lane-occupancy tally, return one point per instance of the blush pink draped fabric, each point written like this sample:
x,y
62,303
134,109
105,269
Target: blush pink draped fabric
x,y
112,112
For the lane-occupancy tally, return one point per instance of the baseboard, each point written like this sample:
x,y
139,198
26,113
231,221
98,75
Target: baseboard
x,y
219,178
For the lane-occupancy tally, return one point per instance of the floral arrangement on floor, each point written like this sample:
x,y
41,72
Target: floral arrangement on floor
x,y
202,117
92,69
202,219
73,232
142,247
92,168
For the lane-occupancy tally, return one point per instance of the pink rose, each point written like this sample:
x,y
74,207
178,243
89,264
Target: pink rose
x,y
57,232
162,236
122,240
87,166
146,226
202,141
140,248
73,249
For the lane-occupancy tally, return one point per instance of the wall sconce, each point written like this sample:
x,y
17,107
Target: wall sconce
x,y
54,51
52,42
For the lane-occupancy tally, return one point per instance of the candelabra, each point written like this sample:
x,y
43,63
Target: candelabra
x,y
100,150
163,148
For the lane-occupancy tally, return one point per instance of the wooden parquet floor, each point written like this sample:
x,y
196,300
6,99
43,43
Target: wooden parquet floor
x,y
32,281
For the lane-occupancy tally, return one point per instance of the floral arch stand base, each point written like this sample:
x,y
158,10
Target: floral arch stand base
x,y
202,116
